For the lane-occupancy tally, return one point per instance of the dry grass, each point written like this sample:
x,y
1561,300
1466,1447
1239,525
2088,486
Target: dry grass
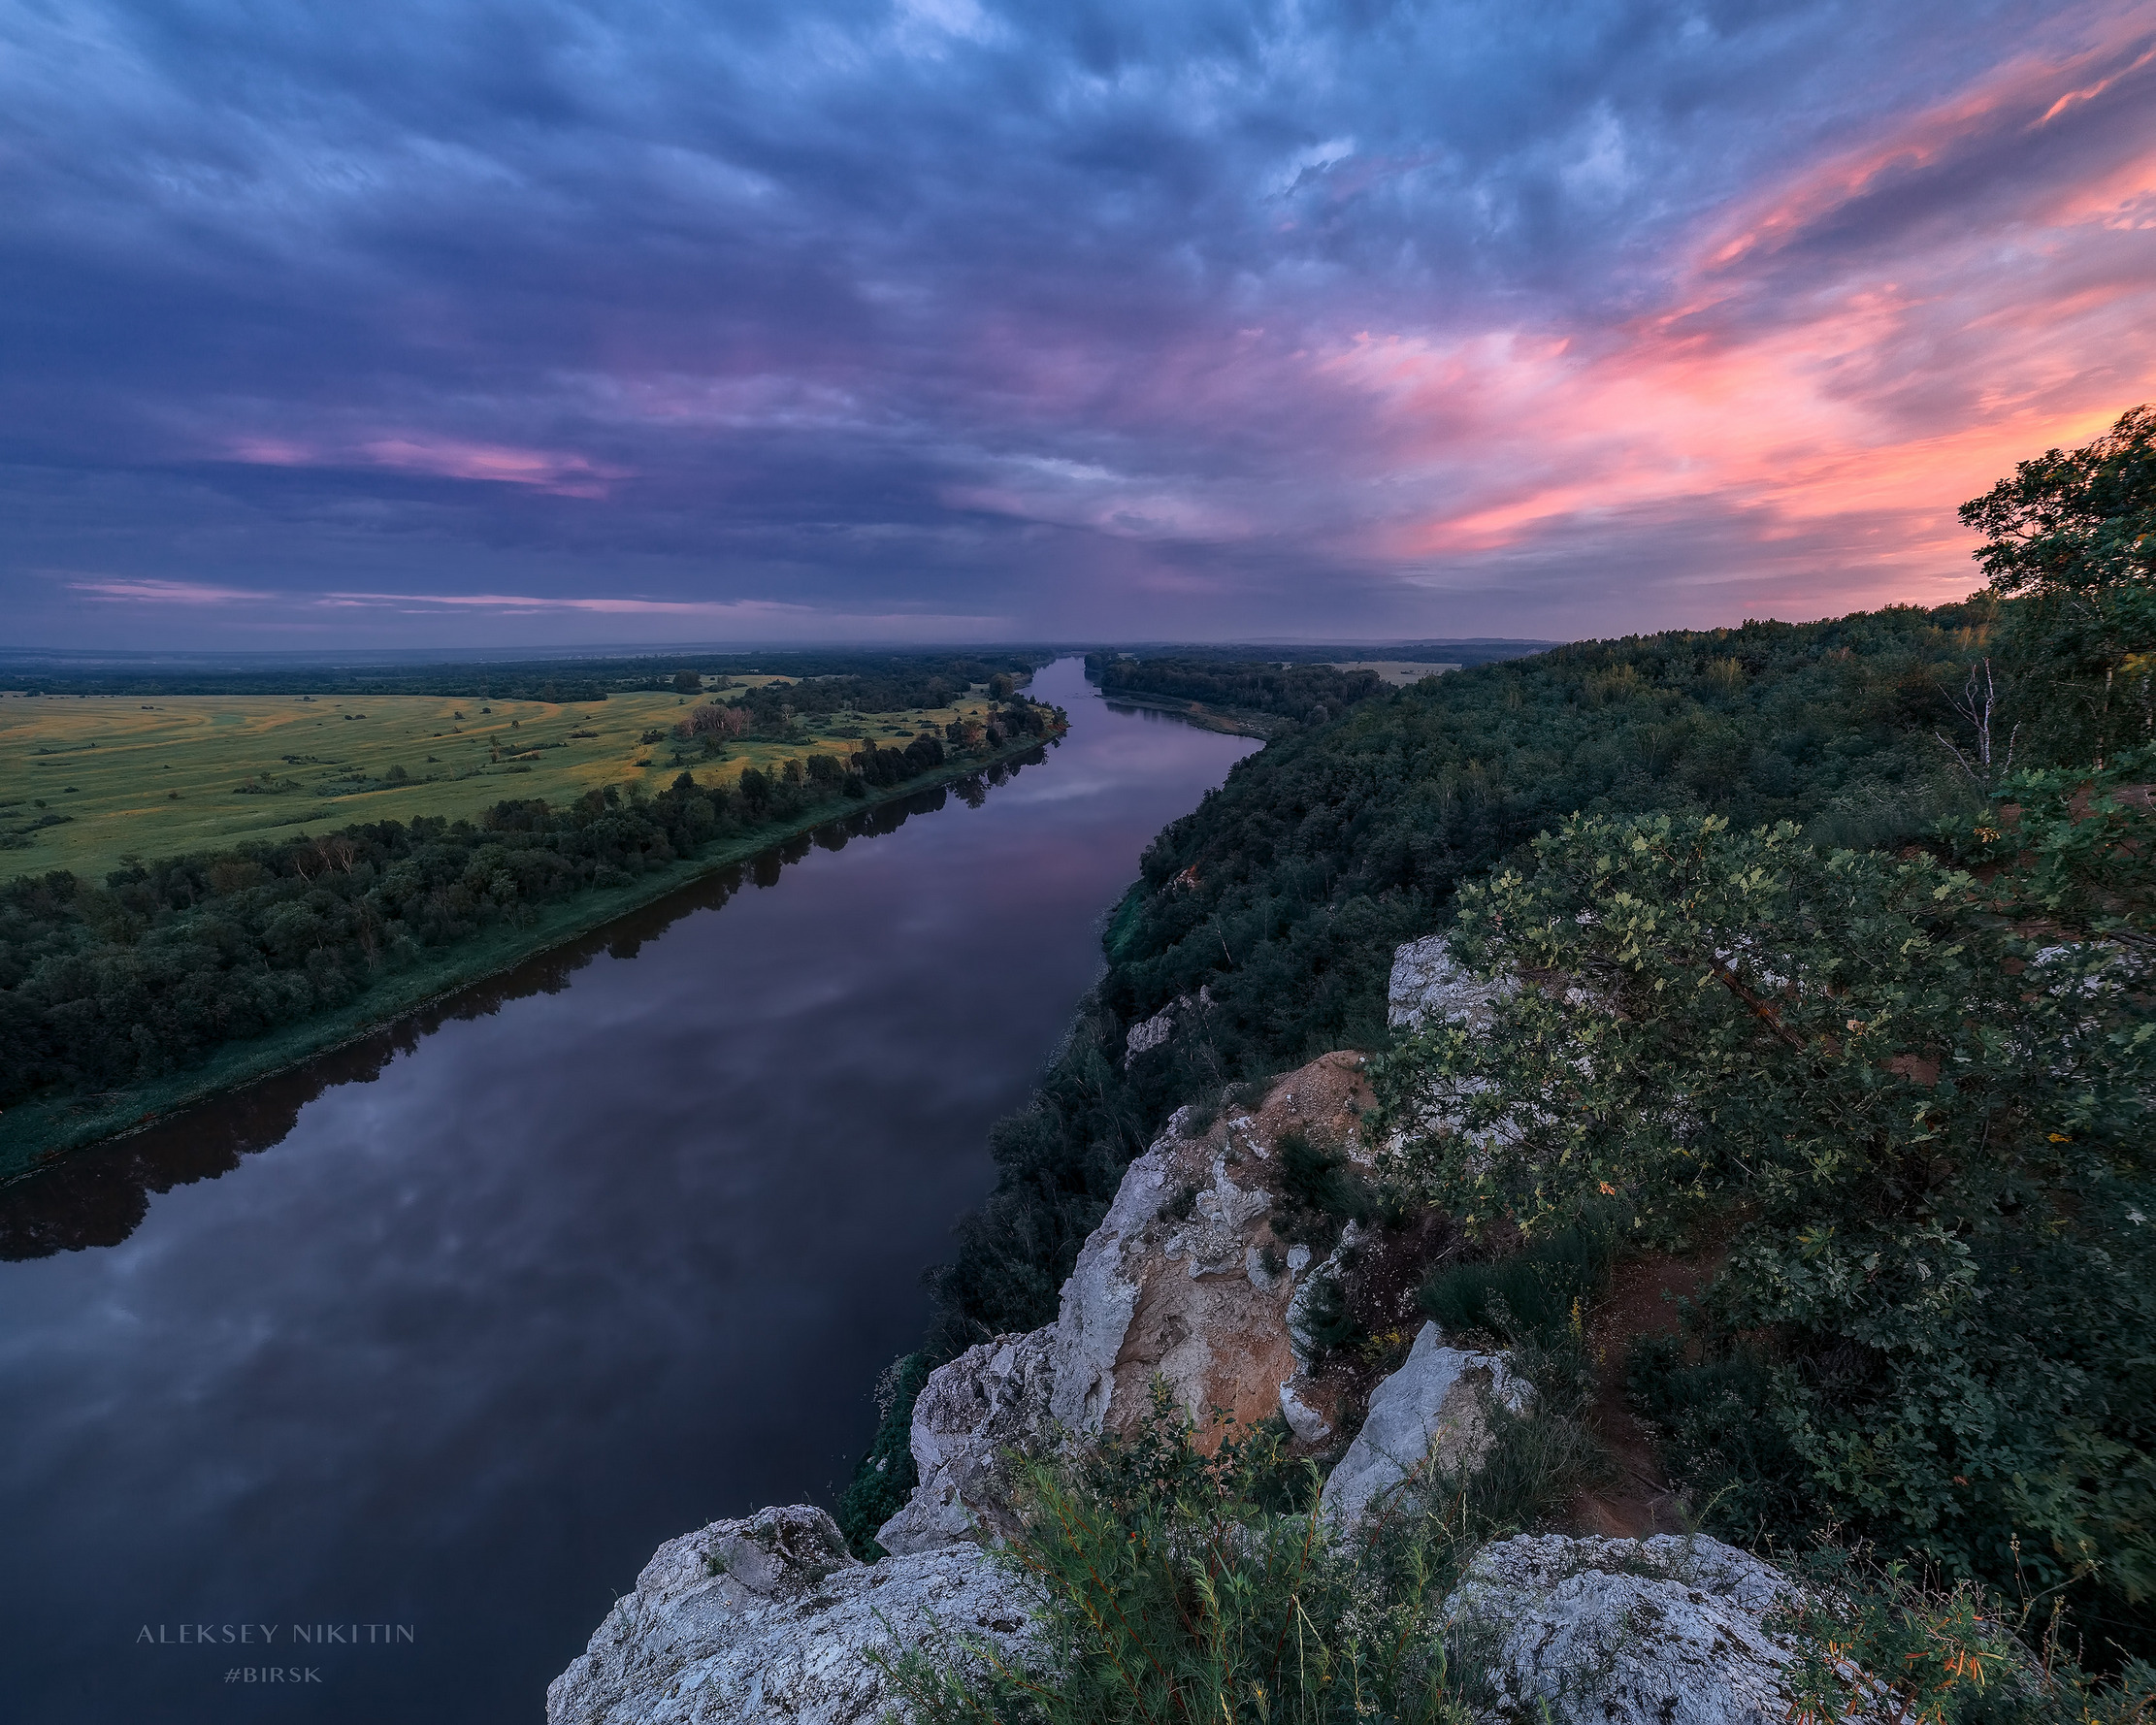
x,y
160,776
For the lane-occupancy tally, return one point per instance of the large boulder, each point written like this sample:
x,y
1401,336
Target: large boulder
x,y
972,1415
1428,1419
1431,987
771,1618
1665,1631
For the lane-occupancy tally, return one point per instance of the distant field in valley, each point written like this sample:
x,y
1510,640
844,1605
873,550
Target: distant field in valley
x,y
1400,673
114,775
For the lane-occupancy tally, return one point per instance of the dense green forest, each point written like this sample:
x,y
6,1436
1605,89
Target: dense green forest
x,y
1475,650
146,973
900,688
1858,919
1308,694
872,682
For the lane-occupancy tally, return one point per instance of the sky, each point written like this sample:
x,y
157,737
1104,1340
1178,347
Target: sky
x,y
440,322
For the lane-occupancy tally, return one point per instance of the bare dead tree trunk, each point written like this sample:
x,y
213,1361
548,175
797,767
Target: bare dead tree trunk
x,y
1977,704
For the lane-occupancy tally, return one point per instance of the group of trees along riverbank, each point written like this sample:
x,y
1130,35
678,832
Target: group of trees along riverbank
x,y
1307,694
1836,942
107,984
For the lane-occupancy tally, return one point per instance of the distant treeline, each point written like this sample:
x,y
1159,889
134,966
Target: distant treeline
x,y
898,689
1308,694
150,972
1478,651
886,682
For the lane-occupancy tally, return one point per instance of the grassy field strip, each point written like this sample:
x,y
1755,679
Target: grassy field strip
x,y
1400,673
34,1134
117,776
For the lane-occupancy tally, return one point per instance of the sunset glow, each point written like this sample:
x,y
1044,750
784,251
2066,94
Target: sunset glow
x,y
1271,325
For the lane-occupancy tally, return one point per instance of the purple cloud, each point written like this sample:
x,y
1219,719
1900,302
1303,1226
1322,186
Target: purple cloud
x,y
958,319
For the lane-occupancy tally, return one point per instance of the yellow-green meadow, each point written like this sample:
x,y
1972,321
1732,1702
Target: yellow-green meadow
x,y
120,775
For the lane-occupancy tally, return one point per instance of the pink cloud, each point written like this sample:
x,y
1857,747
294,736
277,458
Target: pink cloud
x,y
527,605
1848,393
169,593
563,472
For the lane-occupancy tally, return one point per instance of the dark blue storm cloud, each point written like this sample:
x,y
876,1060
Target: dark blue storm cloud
x,y
544,322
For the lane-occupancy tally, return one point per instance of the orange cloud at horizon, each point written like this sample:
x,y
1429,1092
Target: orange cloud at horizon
x,y
1846,360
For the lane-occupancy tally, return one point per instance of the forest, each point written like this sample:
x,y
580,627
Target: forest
x,y
905,684
1307,694
1852,925
147,972
1467,650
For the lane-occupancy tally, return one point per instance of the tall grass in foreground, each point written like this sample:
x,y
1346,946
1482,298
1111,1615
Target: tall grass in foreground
x,y
1176,1586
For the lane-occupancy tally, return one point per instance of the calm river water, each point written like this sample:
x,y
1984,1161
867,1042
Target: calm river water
x,y
447,1331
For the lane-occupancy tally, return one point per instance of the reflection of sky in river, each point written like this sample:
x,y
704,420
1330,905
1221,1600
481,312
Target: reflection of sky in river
x,y
565,1280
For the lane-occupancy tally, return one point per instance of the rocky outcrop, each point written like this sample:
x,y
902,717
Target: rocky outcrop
x,y
1101,1291
771,1618
1625,1632
1429,1419
1431,987
1149,1033
1186,1281
1185,1277
971,1416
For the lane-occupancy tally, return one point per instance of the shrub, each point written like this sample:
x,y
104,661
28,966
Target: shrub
x,y
1320,1191
1167,1590
1534,1295
1916,1104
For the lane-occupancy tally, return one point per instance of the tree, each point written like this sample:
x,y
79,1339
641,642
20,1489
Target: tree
x,y
687,682
2073,533
1912,1101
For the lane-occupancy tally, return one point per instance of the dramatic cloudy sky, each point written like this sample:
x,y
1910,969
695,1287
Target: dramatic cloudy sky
x,y
453,322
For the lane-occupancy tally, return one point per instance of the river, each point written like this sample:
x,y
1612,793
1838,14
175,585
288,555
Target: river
x,y
424,1347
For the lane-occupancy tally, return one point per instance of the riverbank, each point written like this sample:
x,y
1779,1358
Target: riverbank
x,y
1228,721
34,1134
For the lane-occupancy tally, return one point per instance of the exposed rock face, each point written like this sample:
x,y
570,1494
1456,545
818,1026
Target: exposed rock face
x,y
1430,987
1185,1277
769,1618
1182,1278
1304,1420
990,1400
1431,1418
1102,1292
1149,1033
1664,1631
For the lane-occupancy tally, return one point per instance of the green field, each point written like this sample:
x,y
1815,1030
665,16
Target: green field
x,y
87,780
